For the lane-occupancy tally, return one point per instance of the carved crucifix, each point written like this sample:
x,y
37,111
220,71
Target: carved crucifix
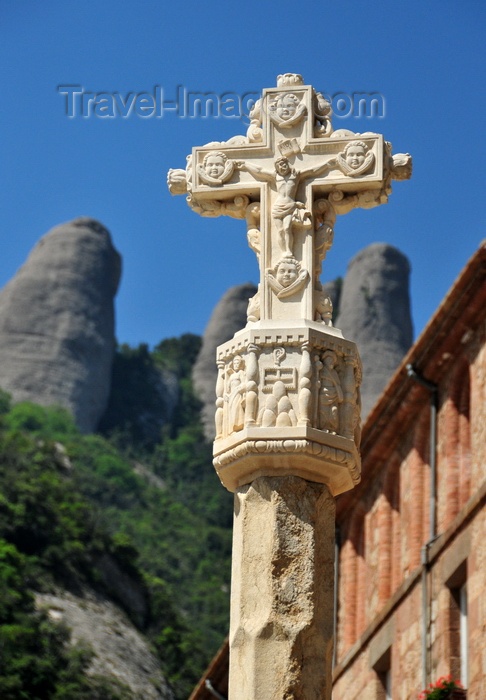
x,y
289,177
288,388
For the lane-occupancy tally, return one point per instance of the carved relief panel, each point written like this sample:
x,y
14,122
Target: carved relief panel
x,y
289,385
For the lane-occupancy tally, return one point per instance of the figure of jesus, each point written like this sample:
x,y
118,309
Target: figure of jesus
x,y
286,180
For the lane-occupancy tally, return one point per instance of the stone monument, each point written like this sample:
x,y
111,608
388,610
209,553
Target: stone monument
x,y
288,388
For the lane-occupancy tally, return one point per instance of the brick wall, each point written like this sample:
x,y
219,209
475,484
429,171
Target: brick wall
x,y
384,523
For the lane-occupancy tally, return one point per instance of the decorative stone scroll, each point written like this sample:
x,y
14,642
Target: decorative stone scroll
x,y
287,397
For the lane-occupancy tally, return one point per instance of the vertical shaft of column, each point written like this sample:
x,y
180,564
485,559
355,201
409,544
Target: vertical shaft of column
x,y
281,631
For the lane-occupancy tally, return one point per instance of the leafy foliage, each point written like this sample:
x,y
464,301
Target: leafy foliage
x,y
35,660
144,496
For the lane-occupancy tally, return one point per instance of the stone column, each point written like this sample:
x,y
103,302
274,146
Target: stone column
x,y
285,461
282,591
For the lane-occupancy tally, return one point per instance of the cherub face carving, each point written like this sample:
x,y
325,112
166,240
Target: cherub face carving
x,y
215,168
286,106
214,164
287,273
286,109
355,154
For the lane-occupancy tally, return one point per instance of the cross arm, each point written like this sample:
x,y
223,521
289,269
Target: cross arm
x,y
257,171
319,168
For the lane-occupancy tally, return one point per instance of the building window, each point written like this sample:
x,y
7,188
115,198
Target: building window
x,y
463,636
383,672
458,624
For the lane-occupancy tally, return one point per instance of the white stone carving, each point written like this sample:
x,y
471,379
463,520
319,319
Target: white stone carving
x,y
287,392
216,168
322,114
255,131
236,208
323,307
289,80
286,210
253,233
177,181
253,310
235,394
330,392
287,277
289,147
277,410
273,388
287,395
324,218
286,110
401,166
356,159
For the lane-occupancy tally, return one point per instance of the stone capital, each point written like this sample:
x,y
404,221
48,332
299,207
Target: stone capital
x,y
288,404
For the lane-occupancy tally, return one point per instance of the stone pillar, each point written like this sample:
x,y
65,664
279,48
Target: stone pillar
x,y
281,632
286,403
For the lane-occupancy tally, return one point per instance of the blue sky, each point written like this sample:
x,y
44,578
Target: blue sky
x,y
426,59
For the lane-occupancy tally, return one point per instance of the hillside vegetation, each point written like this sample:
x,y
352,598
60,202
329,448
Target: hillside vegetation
x,y
142,496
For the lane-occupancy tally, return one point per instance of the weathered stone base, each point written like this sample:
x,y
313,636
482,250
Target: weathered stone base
x,y
281,634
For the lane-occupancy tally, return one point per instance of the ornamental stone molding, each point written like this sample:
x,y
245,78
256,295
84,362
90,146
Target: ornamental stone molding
x,y
288,402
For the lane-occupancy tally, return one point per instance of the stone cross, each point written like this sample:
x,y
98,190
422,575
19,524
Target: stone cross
x,y
287,394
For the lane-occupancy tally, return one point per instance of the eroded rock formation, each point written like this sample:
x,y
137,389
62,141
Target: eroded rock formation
x,y
120,651
374,312
57,322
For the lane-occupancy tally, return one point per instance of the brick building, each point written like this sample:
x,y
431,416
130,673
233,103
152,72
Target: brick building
x,y
411,538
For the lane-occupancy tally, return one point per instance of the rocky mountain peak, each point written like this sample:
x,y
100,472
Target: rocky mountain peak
x,y
57,335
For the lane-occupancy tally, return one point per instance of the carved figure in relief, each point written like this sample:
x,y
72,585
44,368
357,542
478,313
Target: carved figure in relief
x,y
323,307
286,211
324,216
356,159
255,131
235,394
322,113
253,234
216,168
286,109
287,277
253,309
330,393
